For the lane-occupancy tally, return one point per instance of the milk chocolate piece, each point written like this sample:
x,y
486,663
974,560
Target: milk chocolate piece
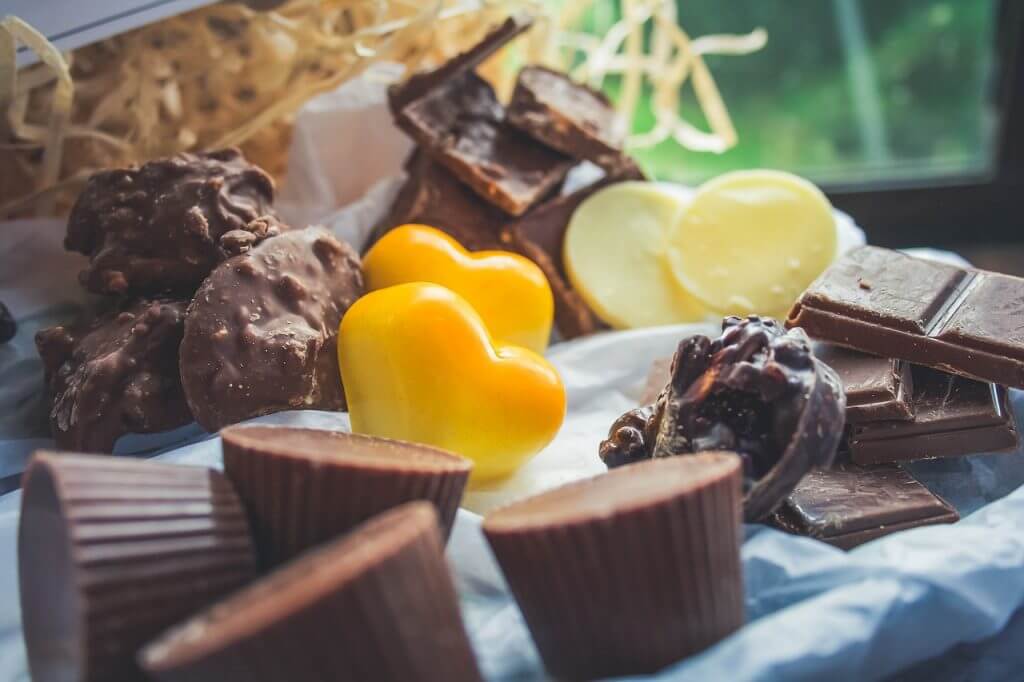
x,y
115,374
567,116
461,125
112,551
964,321
849,505
629,571
876,388
261,332
433,196
953,416
754,390
303,487
377,604
165,225
419,84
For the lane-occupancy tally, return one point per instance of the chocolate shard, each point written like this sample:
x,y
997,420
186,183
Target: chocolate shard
x,y
377,604
159,227
629,571
112,551
849,505
567,116
303,487
433,196
755,390
461,125
261,332
958,320
419,84
876,388
953,416
115,374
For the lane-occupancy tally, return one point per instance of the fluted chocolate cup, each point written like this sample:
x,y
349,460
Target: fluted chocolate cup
x,y
112,551
630,571
377,604
303,487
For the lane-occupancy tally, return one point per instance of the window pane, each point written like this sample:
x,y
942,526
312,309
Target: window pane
x,y
845,90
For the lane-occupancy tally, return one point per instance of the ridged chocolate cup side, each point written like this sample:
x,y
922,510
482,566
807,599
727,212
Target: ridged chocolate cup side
x,y
377,604
303,487
112,551
630,571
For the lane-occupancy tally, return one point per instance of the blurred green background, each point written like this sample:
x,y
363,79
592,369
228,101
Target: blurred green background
x,y
846,91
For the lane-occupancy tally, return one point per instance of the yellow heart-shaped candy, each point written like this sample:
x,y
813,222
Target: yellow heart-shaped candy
x,y
419,364
509,291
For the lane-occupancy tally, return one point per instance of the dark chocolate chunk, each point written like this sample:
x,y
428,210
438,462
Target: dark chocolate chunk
x,y
8,327
876,388
461,125
377,604
303,487
968,322
627,572
419,84
849,505
756,391
433,196
567,116
115,374
261,332
160,227
953,416
114,550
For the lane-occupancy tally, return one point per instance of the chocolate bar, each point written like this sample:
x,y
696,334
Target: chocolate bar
x,y
849,505
115,374
876,388
567,116
968,322
261,333
165,225
952,416
461,125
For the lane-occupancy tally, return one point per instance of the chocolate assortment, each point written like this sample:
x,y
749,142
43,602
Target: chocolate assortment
x,y
629,571
261,332
958,320
115,374
849,505
756,390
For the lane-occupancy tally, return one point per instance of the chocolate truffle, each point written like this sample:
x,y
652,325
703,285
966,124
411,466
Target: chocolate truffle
x,y
162,227
377,604
629,571
112,551
303,487
261,333
115,374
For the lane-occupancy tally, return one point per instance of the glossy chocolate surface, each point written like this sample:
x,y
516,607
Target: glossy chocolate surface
x,y
876,388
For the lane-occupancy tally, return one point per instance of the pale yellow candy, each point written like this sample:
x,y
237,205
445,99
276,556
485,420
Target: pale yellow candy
x,y
751,241
614,255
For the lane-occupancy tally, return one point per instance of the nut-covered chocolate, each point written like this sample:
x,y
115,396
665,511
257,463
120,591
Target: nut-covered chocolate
x,y
115,374
162,227
261,332
756,390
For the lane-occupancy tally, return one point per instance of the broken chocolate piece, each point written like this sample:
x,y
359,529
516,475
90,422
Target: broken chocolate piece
x,y
461,125
755,390
261,333
115,374
433,196
160,227
876,388
849,505
567,116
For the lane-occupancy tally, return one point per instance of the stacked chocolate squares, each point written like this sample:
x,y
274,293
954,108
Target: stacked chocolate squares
x,y
490,175
211,308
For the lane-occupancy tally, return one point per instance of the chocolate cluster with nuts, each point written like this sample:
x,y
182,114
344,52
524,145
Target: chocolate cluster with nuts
x,y
756,390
